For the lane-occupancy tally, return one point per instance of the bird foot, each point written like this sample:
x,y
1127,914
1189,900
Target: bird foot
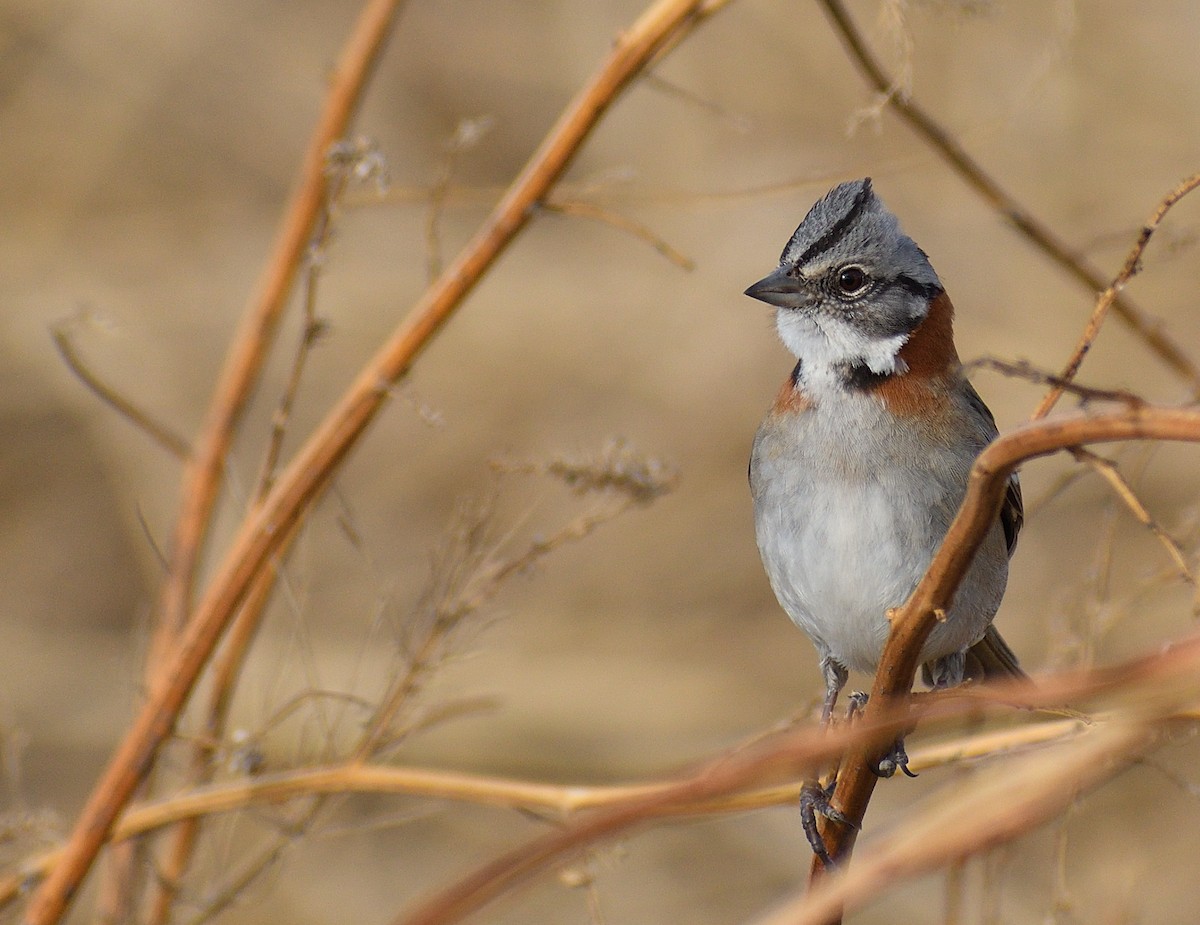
x,y
856,703
814,800
895,759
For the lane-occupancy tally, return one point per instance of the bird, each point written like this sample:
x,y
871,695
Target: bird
x,y
861,463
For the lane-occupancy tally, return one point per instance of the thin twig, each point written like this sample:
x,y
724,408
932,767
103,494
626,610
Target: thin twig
x,y
160,433
467,134
1026,370
266,527
942,141
256,330
1109,298
1107,469
311,332
238,881
621,223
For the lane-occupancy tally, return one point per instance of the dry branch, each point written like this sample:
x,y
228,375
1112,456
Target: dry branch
x,y
204,469
352,776
302,481
1005,804
1006,205
255,334
342,164
1111,295
1156,684
758,760
912,623
160,433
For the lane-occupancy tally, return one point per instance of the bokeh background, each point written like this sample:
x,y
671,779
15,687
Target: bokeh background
x,y
147,150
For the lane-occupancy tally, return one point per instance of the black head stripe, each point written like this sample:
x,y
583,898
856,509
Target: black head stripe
x,y
840,227
917,288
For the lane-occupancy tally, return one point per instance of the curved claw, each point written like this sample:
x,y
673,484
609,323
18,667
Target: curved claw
x,y
856,703
814,799
811,798
893,761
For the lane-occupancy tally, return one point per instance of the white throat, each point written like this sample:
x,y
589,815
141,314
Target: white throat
x,y
827,346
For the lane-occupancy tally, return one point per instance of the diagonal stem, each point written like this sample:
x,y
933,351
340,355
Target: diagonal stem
x,y
266,526
1003,202
203,475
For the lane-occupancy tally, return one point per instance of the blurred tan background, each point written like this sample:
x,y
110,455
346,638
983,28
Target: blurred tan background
x,y
147,149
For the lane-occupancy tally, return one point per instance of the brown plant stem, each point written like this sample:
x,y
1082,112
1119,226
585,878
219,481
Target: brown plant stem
x,y
1009,802
248,351
912,623
788,755
204,468
1111,295
178,855
351,776
583,209
264,528
1039,234
160,433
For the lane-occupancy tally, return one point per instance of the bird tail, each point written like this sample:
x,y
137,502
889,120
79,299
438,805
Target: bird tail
x,y
991,659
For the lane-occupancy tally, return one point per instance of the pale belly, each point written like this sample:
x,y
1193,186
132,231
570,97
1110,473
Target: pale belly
x,y
840,553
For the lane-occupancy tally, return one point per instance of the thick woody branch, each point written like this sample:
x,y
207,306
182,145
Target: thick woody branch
x,y
997,807
1161,682
913,622
302,481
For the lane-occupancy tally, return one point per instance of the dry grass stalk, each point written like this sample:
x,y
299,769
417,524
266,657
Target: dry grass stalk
x,y
755,781
965,825
63,334
182,648
1148,692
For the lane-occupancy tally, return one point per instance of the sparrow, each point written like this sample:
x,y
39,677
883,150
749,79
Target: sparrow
x,y
860,465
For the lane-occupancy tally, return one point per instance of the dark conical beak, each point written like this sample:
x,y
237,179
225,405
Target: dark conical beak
x,y
778,289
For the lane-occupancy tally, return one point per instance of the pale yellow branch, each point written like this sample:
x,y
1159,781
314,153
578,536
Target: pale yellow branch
x,y
1108,471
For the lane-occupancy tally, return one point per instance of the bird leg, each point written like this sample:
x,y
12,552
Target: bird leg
x,y
836,676
814,798
940,674
895,758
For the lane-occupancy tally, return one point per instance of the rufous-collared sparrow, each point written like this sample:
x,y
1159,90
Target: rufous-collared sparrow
x,y
862,462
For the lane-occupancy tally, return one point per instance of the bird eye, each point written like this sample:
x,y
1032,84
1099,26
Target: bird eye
x,y
852,280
